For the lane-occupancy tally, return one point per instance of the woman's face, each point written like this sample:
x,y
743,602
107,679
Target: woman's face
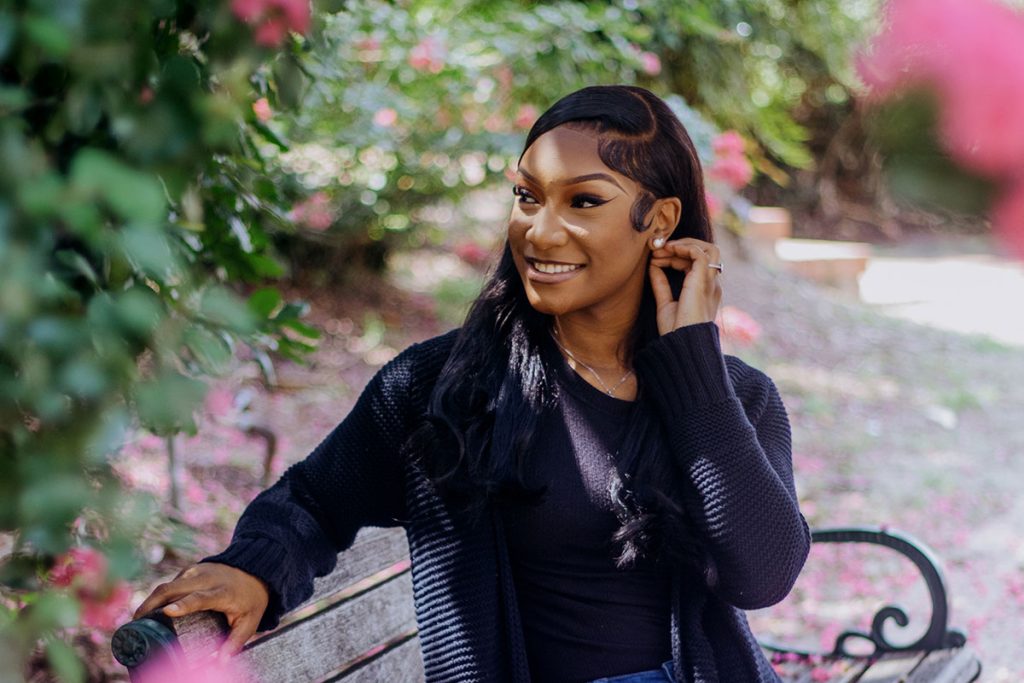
x,y
570,231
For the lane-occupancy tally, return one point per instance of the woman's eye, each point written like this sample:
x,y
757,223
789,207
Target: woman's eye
x,y
586,201
523,194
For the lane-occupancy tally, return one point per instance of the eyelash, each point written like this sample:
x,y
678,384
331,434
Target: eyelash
x,y
523,194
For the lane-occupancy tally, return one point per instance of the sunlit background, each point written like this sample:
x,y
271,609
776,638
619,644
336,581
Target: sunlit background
x,y
219,218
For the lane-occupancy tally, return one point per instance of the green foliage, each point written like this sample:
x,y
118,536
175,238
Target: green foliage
x,y
135,206
421,101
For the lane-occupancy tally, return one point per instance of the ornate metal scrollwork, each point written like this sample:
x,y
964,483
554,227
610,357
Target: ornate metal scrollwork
x,y
938,636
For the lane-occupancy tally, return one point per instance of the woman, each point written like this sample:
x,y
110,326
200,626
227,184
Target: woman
x,y
590,490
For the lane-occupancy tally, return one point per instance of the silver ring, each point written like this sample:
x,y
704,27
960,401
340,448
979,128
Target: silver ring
x,y
717,266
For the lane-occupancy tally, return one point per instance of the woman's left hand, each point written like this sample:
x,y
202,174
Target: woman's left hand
x,y
702,290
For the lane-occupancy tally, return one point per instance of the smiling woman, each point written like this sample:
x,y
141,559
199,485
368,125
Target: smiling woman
x,y
591,491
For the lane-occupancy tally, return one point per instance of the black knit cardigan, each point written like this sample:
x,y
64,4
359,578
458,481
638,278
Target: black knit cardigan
x,y
729,432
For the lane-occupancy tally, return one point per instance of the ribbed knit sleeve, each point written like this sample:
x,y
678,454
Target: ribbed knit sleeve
x,y
293,531
730,435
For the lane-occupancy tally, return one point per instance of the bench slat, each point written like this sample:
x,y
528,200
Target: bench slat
x,y
892,668
960,665
840,671
403,664
313,648
373,550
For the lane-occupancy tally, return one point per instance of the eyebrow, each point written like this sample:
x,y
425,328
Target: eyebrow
x,y
578,179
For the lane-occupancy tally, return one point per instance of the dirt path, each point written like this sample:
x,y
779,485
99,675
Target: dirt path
x,y
907,425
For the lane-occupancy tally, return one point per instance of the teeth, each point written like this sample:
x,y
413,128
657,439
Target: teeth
x,y
553,268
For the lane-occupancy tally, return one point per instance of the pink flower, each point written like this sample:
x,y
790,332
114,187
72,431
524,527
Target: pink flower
x,y
472,253
84,570
106,610
273,19
368,44
714,204
427,55
650,63
729,143
385,118
968,53
219,401
210,670
80,566
738,326
261,108
314,212
1008,218
525,117
735,171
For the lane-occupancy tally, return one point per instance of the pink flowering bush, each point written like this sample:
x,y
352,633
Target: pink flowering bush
x,y
967,54
273,19
738,326
472,253
261,108
727,173
103,599
428,55
314,212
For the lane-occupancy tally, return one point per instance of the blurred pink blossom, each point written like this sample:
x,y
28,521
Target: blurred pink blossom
x,y
80,566
650,63
472,253
314,212
1008,217
714,204
526,115
729,143
427,55
84,570
220,401
385,118
734,170
273,19
261,108
738,326
211,670
968,52
108,609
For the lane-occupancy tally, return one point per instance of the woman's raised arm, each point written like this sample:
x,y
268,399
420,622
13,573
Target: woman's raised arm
x,y
730,435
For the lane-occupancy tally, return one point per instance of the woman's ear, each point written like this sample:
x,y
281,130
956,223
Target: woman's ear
x,y
665,216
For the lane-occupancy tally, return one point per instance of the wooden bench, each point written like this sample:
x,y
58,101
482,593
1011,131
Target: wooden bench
x,y
359,625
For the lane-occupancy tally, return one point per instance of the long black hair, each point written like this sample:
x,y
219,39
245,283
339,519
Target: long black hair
x,y
500,377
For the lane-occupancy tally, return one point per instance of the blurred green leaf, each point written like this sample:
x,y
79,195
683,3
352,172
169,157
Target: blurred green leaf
x,y
65,663
48,34
224,308
209,350
264,301
166,403
133,194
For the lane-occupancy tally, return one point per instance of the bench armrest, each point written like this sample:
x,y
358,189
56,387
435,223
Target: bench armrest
x,y
176,642
938,636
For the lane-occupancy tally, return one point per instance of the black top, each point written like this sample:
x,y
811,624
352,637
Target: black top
x,y
725,426
582,617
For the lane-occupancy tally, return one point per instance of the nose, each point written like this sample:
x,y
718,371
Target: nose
x,y
547,230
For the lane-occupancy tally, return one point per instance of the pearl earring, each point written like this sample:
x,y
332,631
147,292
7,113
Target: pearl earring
x,y
658,242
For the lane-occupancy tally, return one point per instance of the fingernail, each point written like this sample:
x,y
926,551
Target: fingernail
x,y
173,607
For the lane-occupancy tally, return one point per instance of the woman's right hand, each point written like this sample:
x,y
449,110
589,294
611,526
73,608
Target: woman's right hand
x,y
241,597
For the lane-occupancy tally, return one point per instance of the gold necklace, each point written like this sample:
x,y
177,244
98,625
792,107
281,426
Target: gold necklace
x,y
608,390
